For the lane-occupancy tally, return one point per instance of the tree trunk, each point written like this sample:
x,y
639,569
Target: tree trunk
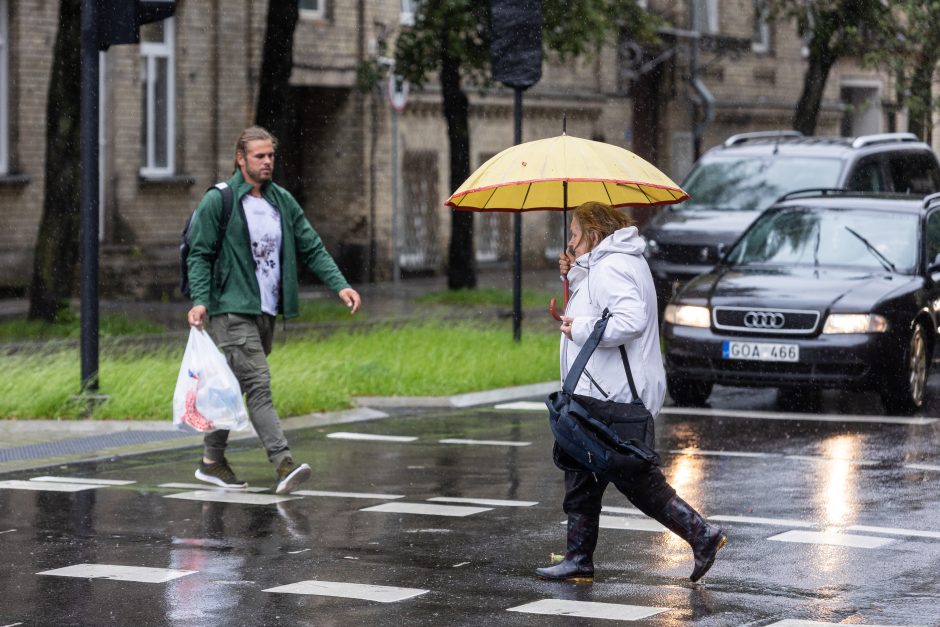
x,y
56,252
814,84
276,108
921,98
461,267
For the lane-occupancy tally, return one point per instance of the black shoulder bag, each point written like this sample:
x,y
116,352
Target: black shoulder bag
x,y
612,440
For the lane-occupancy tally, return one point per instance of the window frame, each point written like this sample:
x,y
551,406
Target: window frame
x,y
709,9
407,11
760,42
151,53
313,14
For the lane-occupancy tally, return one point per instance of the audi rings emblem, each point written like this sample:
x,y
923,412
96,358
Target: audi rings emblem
x,y
764,320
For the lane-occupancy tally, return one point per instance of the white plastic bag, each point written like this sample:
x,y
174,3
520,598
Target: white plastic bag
x,y
207,395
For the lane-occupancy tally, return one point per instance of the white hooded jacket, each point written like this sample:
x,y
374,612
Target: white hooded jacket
x,y
615,276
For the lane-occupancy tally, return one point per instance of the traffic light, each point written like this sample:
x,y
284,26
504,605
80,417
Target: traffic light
x,y
119,21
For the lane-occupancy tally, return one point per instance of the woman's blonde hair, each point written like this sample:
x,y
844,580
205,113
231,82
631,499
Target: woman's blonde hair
x,y
598,220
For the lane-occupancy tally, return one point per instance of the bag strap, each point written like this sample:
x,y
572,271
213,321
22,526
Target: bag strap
x,y
626,366
228,200
580,363
577,368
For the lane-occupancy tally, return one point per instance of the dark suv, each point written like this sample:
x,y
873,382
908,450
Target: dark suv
x,y
732,183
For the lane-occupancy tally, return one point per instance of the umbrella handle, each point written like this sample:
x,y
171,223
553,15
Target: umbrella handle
x,y
551,305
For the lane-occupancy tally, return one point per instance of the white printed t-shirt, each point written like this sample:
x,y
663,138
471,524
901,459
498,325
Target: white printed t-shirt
x,y
264,227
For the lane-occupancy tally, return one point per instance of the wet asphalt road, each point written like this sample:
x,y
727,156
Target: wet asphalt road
x,y
799,474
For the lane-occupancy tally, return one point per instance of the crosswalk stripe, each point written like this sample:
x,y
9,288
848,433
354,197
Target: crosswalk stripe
x,y
484,442
366,592
494,502
630,524
757,520
348,435
84,480
426,509
140,574
230,496
588,609
350,495
791,622
46,486
894,531
831,538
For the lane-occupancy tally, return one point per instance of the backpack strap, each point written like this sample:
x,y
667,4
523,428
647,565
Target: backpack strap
x,y
228,201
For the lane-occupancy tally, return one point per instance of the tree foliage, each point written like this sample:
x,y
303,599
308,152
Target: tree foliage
x,y
831,30
915,64
452,39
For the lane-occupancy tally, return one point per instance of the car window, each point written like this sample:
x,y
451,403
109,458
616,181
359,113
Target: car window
x,y
754,183
867,177
914,172
933,237
859,238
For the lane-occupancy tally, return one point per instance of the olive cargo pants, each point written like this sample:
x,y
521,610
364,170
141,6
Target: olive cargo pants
x,y
246,342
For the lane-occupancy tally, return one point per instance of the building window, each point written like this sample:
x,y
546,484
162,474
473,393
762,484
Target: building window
x,y
760,40
420,240
408,9
4,87
312,9
705,17
158,119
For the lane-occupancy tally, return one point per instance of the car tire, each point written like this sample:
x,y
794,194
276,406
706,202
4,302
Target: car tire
x,y
688,393
906,391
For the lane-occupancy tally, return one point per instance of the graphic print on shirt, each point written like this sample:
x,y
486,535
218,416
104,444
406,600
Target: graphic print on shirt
x,y
264,227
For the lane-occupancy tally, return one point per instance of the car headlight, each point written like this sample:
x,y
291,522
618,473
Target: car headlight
x,y
652,248
855,323
687,316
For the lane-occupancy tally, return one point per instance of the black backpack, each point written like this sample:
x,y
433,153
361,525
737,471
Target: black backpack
x,y
228,199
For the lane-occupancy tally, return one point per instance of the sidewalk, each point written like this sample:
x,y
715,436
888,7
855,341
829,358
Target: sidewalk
x,y
33,444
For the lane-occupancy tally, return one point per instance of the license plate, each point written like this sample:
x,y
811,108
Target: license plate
x,y
760,351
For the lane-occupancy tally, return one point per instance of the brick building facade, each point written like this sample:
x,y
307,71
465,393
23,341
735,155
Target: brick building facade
x,y
173,106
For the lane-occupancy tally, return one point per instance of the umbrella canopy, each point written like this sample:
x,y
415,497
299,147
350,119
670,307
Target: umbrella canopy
x,y
533,176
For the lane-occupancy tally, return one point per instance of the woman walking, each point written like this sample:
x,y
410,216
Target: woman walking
x,y
605,268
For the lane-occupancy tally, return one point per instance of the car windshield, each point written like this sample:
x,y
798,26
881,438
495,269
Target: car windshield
x,y
856,238
754,183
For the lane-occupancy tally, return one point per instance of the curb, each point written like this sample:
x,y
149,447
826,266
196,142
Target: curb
x,y
31,432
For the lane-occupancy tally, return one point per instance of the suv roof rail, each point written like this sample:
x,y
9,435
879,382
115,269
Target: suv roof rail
x,y
883,138
815,191
740,138
931,200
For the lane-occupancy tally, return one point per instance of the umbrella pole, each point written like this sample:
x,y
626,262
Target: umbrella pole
x,y
551,305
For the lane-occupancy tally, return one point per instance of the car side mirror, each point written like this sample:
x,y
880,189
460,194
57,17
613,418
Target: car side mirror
x,y
934,266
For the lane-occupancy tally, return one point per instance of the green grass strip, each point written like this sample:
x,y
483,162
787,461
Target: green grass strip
x,y
309,374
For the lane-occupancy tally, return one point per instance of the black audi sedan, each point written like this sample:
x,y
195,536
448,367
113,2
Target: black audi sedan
x,y
826,289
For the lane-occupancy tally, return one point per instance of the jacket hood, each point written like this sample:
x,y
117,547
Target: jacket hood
x,y
623,241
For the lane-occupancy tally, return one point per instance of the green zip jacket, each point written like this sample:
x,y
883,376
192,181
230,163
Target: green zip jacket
x,y
229,285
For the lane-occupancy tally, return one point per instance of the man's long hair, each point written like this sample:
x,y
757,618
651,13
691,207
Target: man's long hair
x,y
250,134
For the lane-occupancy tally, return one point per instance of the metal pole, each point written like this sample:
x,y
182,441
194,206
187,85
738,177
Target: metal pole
x,y
89,196
517,236
396,262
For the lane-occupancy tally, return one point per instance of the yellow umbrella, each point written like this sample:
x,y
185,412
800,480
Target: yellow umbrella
x,y
563,172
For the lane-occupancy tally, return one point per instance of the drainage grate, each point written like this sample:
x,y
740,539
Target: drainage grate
x,y
87,444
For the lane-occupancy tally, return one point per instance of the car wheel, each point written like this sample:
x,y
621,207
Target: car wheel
x,y
688,393
905,392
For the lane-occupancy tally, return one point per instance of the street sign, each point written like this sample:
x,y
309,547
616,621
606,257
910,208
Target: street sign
x,y
398,89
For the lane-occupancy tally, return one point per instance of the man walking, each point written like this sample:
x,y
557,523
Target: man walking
x,y
240,280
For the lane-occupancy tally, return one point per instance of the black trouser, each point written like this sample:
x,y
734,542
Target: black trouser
x,y
648,491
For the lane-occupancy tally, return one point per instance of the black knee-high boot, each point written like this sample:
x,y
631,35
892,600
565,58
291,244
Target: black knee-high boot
x,y
578,564
705,540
